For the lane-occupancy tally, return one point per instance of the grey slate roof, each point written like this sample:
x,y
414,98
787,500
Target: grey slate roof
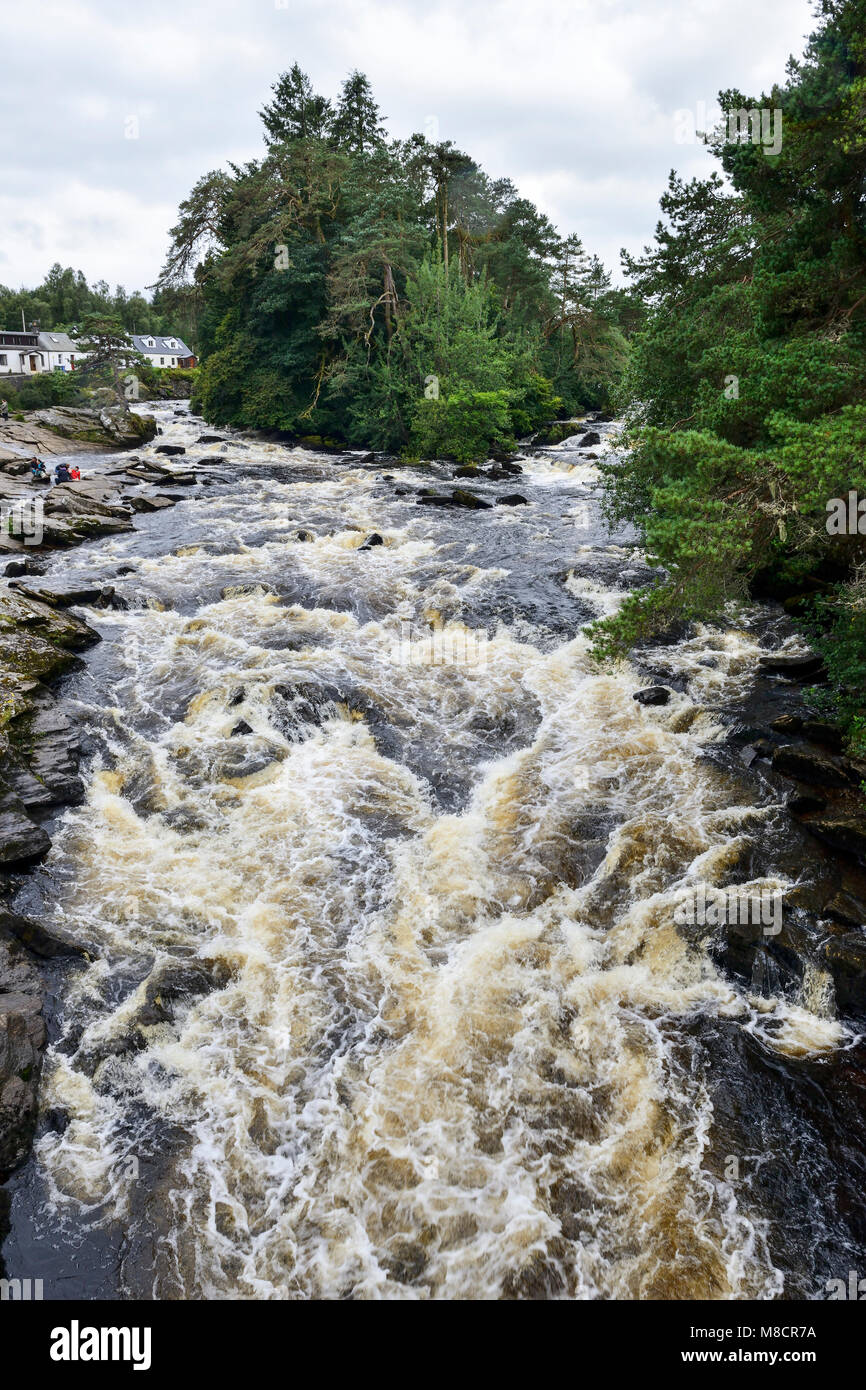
x,y
161,347
57,342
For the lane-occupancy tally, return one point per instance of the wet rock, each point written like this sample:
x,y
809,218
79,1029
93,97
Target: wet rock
x,y
209,439
184,819
110,598
806,765
17,568
806,804
59,595
371,541
848,908
21,841
461,498
169,449
170,985
245,590
818,731
41,765
176,982
241,728
21,616
847,834
845,958
22,1040
142,502
305,536
234,761
794,668
36,938
653,695
512,499
554,433
589,440
787,724
467,470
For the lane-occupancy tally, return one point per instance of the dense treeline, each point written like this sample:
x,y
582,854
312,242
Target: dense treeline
x,y
388,293
750,372
65,301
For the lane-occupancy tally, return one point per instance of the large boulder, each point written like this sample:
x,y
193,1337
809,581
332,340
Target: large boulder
x,y
807,765
845,833
22,1040
112,425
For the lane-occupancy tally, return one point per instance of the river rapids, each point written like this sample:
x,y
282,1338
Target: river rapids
x,y
386,998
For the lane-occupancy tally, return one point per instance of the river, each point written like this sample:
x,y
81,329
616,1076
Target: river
x,y
387,998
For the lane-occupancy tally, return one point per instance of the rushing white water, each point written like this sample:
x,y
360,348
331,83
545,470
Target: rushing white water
x,y
426,857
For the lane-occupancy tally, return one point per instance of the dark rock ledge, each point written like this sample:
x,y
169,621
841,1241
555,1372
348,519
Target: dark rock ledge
x,y
40,641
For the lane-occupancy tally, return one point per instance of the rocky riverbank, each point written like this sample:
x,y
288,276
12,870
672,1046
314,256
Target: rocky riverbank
x,y
40,641
779,740
73,429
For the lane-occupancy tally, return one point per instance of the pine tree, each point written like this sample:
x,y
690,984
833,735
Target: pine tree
x,y
357,123
297,112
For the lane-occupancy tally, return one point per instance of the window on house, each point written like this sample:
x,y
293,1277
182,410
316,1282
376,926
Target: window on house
x,y
3,361
162,361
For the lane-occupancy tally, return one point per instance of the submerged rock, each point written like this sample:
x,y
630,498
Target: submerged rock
x,y
652,695
458,498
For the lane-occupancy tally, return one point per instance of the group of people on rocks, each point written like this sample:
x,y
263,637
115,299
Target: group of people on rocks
x,y
62,472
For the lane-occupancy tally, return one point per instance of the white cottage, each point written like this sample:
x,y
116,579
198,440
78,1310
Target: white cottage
x,y
163,352
58,351
19,354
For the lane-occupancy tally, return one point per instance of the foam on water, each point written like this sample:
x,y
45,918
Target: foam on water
x,y
447,1046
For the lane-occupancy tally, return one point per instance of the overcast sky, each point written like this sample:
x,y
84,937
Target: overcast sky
x,y
110,111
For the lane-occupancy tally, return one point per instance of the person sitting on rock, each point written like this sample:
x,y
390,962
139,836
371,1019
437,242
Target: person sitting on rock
x,y
37,470
61,473
75,473
4,409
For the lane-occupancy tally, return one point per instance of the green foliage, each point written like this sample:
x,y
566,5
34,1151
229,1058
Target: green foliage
x,y
64,300
335,277
464,425
747,374
46,389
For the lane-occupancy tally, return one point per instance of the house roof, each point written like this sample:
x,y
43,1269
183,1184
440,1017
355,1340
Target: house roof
x,y
161,346
57,342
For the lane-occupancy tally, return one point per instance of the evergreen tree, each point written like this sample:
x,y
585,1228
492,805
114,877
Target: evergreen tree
x,y
296,112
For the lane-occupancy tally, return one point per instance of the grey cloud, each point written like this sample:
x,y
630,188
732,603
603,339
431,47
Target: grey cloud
x,y
570,97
